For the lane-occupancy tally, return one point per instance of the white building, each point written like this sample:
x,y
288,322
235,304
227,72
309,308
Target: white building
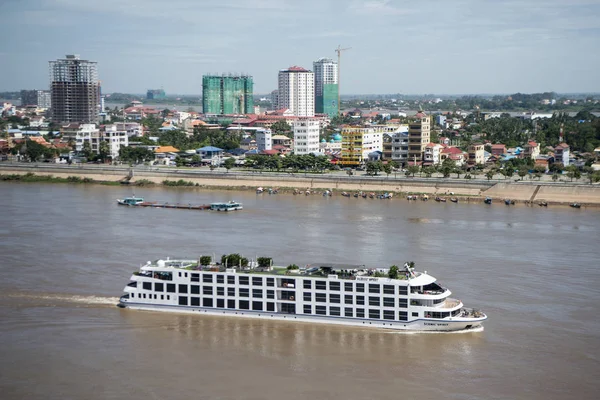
x,y
296,92
264,140
87,133
116,139
432,152
132,128
306,136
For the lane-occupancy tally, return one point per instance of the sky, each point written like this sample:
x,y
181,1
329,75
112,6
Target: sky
x,y
395,46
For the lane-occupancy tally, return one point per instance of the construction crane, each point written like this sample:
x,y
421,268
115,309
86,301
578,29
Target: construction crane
x,y
339,54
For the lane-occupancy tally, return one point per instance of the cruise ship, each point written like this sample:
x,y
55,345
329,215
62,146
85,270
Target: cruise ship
x,y
318,293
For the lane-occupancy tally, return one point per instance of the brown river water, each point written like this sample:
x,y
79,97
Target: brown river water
x,y
67,251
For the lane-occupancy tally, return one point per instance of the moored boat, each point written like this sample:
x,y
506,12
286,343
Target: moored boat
x,y
575,205
454,199
488,200
402,299
229,206
130,201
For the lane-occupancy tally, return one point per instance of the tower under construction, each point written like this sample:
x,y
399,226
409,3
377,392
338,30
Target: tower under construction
x,y
227,94
75,90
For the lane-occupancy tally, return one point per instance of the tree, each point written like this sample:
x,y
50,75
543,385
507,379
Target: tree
x,y
522,172
489,175
573,172
264,262
393,272
205,260
87,149
281,127
387,168
34,151
104,150
554,177
234,260
509,171
373,167
412,169
229,163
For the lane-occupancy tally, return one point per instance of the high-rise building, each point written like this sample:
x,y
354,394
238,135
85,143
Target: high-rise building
x,y
306,136
40,98
296,91
75,90
155,94
419,131
227,94
326,86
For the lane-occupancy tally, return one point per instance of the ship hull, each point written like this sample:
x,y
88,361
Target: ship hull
x,y
418,325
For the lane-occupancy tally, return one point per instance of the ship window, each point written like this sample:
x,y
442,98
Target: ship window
x,y
207,290
244,292
171,287
270,306
288,308
307,284
348,299
348,286
334,298
402,303
374,288
162,296
415,314
207,301
402,315
195,301
231,280
183,288
168,297
207,278
244,280
374,301
221,303
257,293
159,287
388,314
402,290
307,309
360,287
374,314
321,285
220,279
231,291
220,291
348,312
388,302
270,294
270,282
334,286
321,310
183,300
147,285
321,297
257,281
154,297
438,301
257,305
244,305
195,278
230,303
360,300
389,289
185,274
180,274
335,311
307,296
360,312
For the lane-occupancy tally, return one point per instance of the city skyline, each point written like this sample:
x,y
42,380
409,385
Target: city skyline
x,y
456,47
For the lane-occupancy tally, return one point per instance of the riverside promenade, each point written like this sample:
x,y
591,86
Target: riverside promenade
x,y
526,191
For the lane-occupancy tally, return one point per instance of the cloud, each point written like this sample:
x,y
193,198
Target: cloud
x,y
379,7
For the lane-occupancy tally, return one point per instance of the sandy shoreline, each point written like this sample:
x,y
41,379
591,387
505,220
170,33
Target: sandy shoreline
x,y
522,192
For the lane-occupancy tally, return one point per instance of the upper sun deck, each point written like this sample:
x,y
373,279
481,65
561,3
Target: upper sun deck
x,y
317,270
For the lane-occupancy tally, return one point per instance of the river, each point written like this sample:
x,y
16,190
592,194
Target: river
x,y
67,251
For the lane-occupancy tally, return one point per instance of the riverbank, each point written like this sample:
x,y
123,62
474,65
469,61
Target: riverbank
x,y
473,191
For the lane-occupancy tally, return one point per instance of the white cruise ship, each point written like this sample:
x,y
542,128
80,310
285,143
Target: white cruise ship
x,y
320,293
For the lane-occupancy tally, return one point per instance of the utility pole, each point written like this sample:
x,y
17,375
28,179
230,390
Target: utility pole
x,y
339,51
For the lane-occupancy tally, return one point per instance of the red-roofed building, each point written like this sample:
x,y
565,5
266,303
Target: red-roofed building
x,y
531,150
498,149
455,154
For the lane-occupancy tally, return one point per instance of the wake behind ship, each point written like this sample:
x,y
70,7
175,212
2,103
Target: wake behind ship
x,y
319,293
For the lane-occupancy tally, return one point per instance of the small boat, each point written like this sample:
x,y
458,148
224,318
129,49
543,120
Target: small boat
x,y
355,194
386,196
509,202
345,194
273,191
296,191
488,200
372,195
130,201
440,199
411,197
424,197
543,204
229,206
326,193
363,195
575,205
454,199
259,190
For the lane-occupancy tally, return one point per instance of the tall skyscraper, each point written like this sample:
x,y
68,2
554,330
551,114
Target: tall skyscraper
x,y
75,90
227,94
40,98
326,86
297,91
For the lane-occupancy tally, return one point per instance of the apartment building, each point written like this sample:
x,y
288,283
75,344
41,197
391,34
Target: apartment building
x,y
419,131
